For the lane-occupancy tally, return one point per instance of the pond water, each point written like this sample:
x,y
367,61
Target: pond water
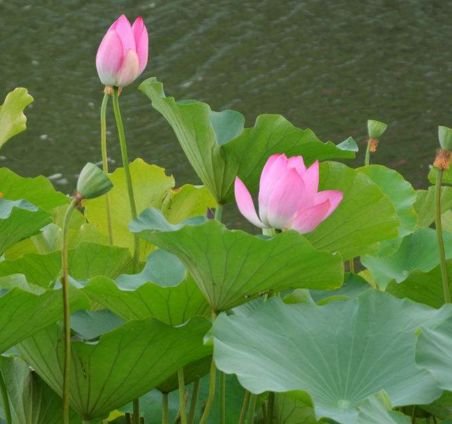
x,y
328,66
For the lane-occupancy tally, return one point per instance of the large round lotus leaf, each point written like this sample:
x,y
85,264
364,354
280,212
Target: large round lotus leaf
x,y
425,204
434,352
219,148
31,401
232,266
342,353
365,216
121,366
400,192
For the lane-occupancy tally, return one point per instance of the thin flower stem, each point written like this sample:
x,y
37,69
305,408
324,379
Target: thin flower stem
x,y
136,411
5,398
66,312
351,264
211,395
194,401
219,213
103,145
439,236
125,164
165,409
181,381
270,407
367,157
252,409
244,410
223,397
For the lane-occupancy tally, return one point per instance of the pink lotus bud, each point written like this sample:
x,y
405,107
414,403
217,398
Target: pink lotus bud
x,y
123,52
289,196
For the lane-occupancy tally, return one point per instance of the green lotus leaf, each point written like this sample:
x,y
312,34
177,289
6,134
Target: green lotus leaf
x,y
218,147
12,119
121,366
447,176
171,305
342,353
232,266
417,252
38,190
399,191
434,351
365,216
31,401
425,204
19,219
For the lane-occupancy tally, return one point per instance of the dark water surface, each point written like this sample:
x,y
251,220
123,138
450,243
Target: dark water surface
x,y
326,65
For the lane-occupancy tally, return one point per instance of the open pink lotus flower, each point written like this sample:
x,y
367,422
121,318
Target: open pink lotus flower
x,y
289,196
123,52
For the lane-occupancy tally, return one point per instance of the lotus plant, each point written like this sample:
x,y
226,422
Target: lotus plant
x,y
289,196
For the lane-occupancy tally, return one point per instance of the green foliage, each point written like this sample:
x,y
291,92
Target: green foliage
x,y
12,119
425,204
342,353
231,267
142,354
217,145
365,207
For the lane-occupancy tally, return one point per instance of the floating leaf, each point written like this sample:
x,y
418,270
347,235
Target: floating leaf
x,y
232,266
122,365
218,147
365,216
12,119
342,353
31,400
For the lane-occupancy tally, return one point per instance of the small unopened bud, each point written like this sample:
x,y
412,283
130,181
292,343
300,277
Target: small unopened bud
x,y
445,138
442,160
92,182
375,129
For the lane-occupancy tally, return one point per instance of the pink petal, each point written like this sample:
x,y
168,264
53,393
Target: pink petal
x,y
308,219
130,69
124,29
140,34
109,58
285,200
245,203
311,178
297,163
273,170
333,196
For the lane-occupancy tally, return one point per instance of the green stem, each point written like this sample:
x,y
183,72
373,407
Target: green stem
x,y
194,401
211,395
6,407
67,313
351,265
252,409
219,213
244,410
223,397
270,407
165,409
103,146
181,381
367,157
125,164
439,236
136,411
